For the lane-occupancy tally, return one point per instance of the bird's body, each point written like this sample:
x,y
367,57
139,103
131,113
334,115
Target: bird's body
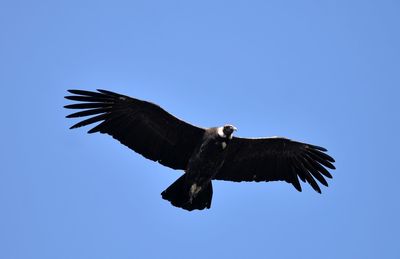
x,y
204,163
207,158
203,154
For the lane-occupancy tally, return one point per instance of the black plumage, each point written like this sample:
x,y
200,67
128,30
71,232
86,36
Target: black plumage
x,y
205,154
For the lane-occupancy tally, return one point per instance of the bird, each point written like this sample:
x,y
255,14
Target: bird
x,y
203,154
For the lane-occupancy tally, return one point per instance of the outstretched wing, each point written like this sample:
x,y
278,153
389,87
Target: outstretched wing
x,y
142,126
276,159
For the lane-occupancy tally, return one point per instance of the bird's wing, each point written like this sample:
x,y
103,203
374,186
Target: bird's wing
x,y
142,126
276,159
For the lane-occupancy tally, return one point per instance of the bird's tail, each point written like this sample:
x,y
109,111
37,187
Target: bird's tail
x,y
178,194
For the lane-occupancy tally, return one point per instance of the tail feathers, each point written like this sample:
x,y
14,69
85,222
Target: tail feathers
x,y
178,194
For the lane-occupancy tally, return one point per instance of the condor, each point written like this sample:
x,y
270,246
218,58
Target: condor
x,y
205,154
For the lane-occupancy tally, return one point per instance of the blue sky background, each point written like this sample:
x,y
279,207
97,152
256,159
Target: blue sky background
x,y
324,72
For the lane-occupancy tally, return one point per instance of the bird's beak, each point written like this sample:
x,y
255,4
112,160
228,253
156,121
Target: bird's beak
x,y
234,128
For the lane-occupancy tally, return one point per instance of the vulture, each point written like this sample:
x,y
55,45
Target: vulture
x,y
204,154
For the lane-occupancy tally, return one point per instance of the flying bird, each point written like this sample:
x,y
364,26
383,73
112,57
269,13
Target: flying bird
x,y
204,154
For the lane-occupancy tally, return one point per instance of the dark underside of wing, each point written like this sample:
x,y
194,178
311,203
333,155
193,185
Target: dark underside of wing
x,y
276,159
142,126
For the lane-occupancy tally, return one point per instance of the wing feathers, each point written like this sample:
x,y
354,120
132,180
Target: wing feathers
x,y
321,160
314,172
87,93
88,112
307,174
90,121
318,167
108,93
274,159
318,148
142,126
294,179
87,105
88,98
321,155
298,172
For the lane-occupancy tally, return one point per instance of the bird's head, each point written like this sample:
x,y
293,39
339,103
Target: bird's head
x,y
226,131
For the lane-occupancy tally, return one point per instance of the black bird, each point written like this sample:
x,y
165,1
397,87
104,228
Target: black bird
x,y
205,154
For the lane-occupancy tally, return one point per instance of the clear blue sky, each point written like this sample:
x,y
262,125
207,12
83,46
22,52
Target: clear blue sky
x,y
325,72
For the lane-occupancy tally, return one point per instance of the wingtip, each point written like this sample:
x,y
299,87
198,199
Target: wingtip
x,y
329,165
319,148
316,188
97,128
298,188
70,97
73,91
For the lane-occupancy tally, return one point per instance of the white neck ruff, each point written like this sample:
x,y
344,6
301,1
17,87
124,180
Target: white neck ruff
x,y
221,132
